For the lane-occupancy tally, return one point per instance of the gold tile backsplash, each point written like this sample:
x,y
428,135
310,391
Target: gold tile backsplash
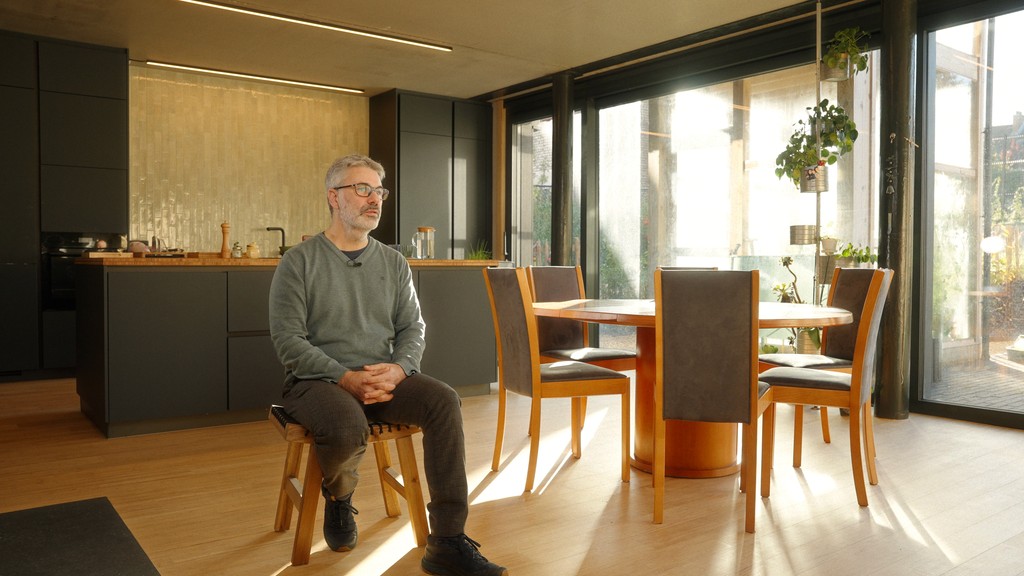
x,y
205,150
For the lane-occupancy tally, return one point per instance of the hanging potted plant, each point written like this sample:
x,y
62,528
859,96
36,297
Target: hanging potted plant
x,y
844,55
801,162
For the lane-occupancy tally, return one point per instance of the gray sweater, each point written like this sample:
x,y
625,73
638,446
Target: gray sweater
x,y
328,316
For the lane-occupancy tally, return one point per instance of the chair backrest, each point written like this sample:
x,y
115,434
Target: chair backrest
x,y
863,376
515,328
849,291
557,284
706,330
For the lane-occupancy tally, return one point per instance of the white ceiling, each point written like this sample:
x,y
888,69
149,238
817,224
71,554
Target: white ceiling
x,y
496,43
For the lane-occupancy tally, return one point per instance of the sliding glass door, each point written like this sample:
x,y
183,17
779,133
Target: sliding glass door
x,y
973,182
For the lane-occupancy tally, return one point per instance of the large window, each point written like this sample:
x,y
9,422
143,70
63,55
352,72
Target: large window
x,y
688,179
975,161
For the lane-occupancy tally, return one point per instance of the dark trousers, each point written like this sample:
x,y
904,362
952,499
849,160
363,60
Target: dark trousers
x,y
340,427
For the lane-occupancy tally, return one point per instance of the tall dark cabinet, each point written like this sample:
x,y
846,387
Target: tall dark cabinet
x,y
83,138
19,205
436,151
63,172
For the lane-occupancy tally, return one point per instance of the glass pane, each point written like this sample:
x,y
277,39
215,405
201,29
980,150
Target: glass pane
x,y
977,280
688,180
531,222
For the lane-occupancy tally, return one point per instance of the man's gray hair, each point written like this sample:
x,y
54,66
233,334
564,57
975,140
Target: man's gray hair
x,y
336,173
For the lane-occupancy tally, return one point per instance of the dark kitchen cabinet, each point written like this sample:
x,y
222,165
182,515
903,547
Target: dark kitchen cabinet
x,y
19,309
84,199
185,345
255,375
436,152
81,69
460,330
168,359
83,138
152,352
471,178
83,131
17,60
58,339
425,165
19,176
249,300
170,347
63,169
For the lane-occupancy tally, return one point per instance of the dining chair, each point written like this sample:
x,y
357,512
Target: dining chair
x,y
851,390
706,331
521,371
849,291
562,338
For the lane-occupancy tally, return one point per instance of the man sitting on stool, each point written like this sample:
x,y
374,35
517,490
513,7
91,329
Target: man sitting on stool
x,y
346,324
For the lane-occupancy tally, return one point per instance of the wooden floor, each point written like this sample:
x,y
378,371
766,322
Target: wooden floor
x,y
201,502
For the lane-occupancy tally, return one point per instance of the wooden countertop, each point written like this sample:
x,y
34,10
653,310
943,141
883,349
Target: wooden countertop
x,y
452,263
201,261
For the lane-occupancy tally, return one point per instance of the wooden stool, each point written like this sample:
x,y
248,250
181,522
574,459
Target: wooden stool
x,y
305,494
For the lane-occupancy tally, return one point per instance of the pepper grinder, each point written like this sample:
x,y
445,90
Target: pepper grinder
x,y
225,250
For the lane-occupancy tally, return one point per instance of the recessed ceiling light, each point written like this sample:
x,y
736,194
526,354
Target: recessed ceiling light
x,y
323,25
253,77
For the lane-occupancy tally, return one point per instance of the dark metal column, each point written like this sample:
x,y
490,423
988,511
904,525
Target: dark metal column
x,y
896,222
561,169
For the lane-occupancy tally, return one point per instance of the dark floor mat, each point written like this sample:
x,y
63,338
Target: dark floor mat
x,y
86,538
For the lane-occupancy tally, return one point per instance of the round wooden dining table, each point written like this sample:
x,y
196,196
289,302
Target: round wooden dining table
x,y
692,449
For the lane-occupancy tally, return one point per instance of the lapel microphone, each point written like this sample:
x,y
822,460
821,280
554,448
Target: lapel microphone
x,y
353,264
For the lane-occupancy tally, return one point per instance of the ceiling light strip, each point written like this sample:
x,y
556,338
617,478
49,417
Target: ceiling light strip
x,y
253,77
322,25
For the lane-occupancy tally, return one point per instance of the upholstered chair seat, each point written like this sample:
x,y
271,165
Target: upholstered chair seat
x,y
850,390
819,361
562,338
713,378
849,289
520,370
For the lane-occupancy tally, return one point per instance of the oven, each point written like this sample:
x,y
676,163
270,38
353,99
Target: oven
x,y
57,268
58,279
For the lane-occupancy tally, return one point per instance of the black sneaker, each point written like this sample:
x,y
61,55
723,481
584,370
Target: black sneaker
x,y
457,556
339,524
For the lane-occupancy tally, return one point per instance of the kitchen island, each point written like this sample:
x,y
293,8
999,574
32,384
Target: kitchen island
x,y
167,343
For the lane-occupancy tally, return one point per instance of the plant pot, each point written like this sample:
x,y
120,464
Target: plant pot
x,y
838,73
814,179
845,263
804,343
802,234
826,264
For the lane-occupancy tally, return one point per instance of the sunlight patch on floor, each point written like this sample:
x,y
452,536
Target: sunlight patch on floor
x,y
381,559
554,452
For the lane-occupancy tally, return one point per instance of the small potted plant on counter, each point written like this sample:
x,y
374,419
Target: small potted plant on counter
x,y
479,251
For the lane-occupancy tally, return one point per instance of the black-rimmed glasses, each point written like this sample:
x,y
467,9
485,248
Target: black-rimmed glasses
x,y
364,190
